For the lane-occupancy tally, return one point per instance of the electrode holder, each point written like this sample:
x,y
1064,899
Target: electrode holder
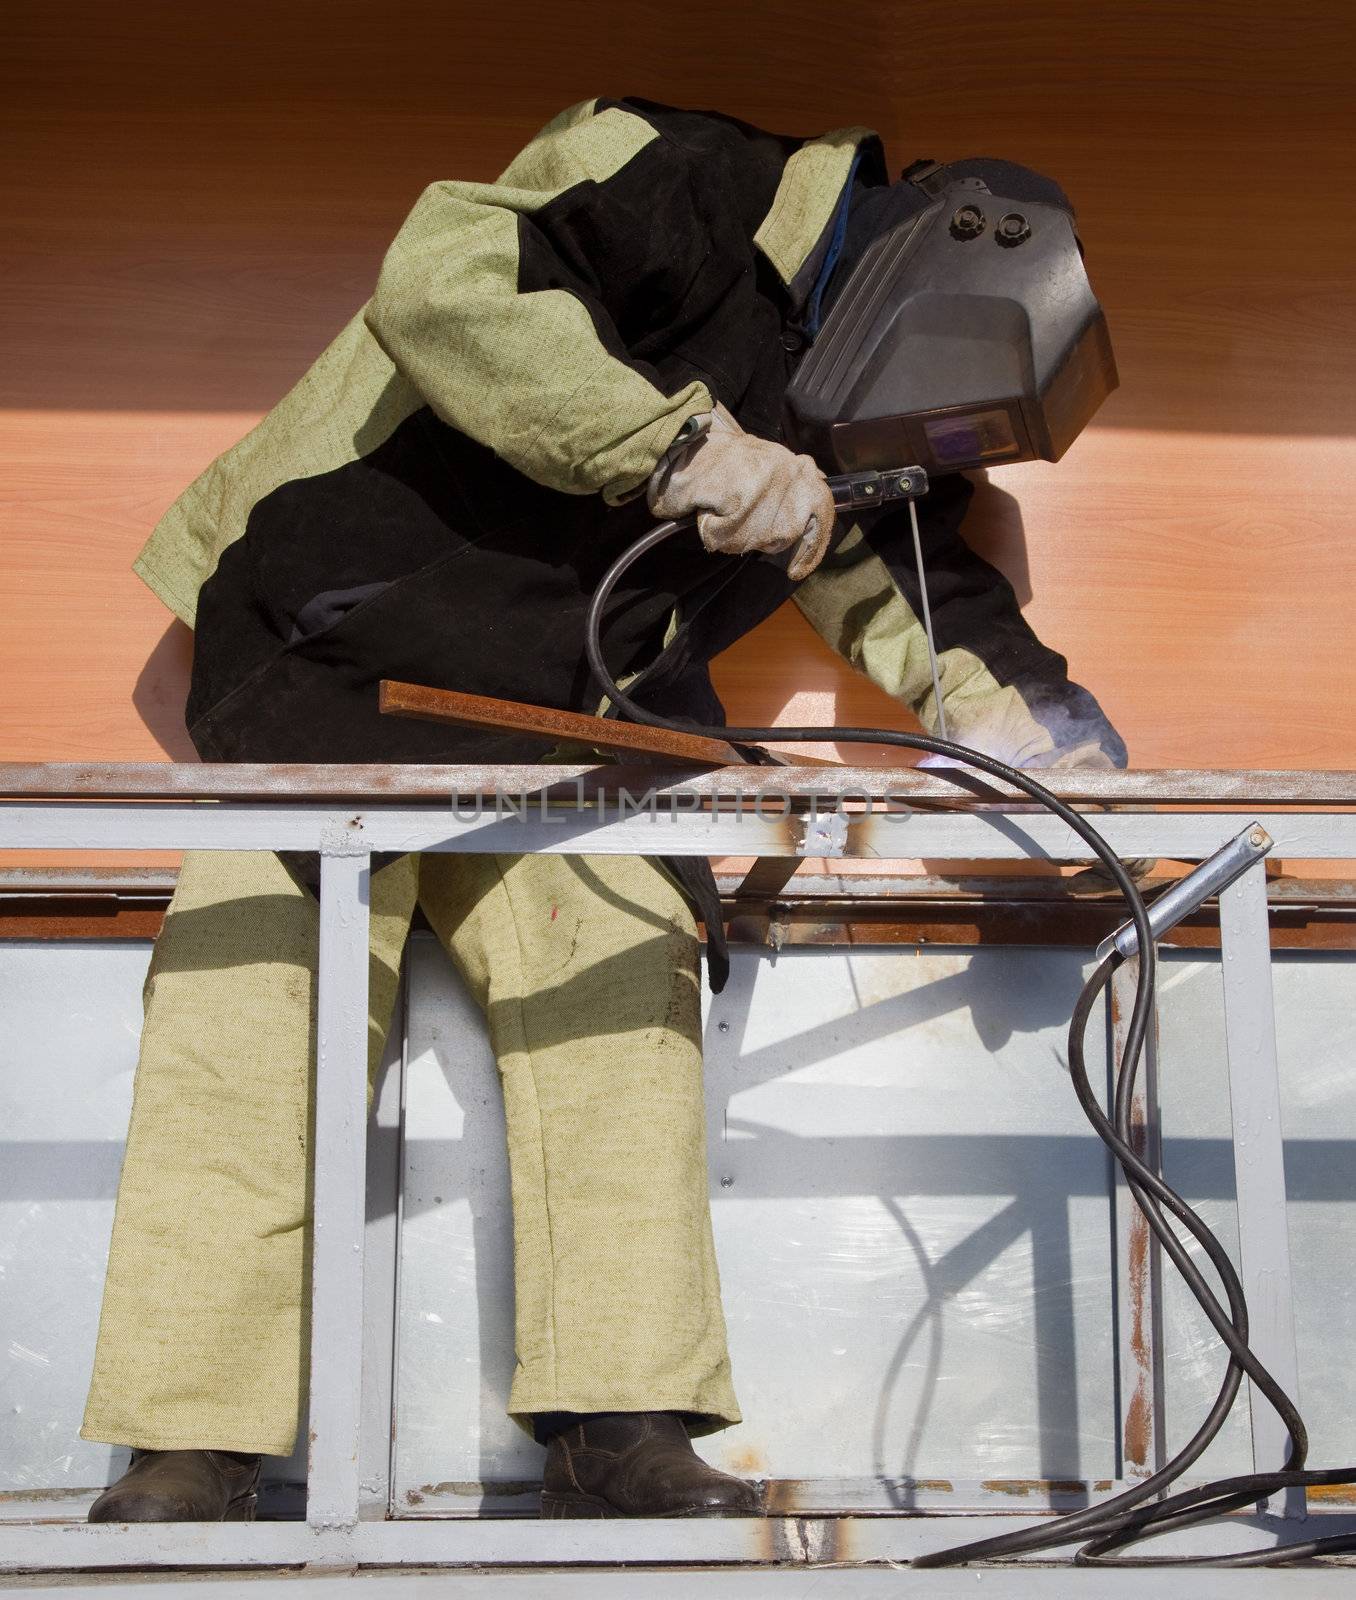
x,y
1190,893
852,491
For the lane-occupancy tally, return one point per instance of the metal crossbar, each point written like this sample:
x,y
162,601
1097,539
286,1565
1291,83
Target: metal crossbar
x,y
348,814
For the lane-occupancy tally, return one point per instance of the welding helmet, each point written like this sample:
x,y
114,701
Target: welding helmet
x,y
965,333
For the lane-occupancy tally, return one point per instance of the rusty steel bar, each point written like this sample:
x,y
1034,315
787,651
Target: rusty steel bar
x,y
165,780
852,892
818,910
458,710
980,889
1139,1258
810,923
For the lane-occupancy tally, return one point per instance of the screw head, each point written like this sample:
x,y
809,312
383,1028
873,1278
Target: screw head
x,y
1012,229
967,223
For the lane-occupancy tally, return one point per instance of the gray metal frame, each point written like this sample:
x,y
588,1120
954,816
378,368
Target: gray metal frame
x,y
840,812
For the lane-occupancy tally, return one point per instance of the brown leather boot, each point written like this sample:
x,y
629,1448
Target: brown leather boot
x,y
637,1464
182,1486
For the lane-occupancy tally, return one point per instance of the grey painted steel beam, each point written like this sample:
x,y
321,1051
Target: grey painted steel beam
x,y
1259,1161
723,1584
340,1168
986,834
713,1583
524,1541
381,1265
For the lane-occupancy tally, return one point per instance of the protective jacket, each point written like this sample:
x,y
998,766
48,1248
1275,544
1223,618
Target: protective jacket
x,y
438,495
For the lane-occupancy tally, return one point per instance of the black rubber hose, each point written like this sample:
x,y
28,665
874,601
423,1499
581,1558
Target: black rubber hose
x,y
1114,1524
1123,1520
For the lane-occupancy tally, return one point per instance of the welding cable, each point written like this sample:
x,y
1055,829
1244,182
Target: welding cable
x,y
1117,1523
1109,1526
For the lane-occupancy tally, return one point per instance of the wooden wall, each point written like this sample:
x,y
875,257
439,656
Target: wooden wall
x,y
197,196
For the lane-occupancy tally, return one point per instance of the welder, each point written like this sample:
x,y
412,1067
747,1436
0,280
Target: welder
x,y
548,363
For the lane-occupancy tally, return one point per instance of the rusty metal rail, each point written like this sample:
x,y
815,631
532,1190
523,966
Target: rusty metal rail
x,y
163,780
809,910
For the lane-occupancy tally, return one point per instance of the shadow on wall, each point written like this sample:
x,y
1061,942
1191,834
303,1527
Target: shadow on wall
x,y
994,529
161,689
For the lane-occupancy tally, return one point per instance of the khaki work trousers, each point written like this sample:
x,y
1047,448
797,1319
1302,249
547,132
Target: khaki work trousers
x,y
587,971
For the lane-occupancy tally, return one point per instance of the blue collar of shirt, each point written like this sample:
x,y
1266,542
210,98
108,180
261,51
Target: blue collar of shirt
x,y
811,320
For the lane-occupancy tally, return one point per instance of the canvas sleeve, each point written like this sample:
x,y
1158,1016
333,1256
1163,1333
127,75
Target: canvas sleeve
x,y
511,306
1004,692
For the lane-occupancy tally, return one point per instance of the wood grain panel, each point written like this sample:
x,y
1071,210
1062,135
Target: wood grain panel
x,y
197,197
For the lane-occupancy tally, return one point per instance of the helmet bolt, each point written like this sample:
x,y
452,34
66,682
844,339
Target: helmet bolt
x,y
1012,229
967,223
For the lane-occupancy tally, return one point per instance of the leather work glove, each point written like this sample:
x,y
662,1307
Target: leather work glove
x,y
749,494
1096,880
